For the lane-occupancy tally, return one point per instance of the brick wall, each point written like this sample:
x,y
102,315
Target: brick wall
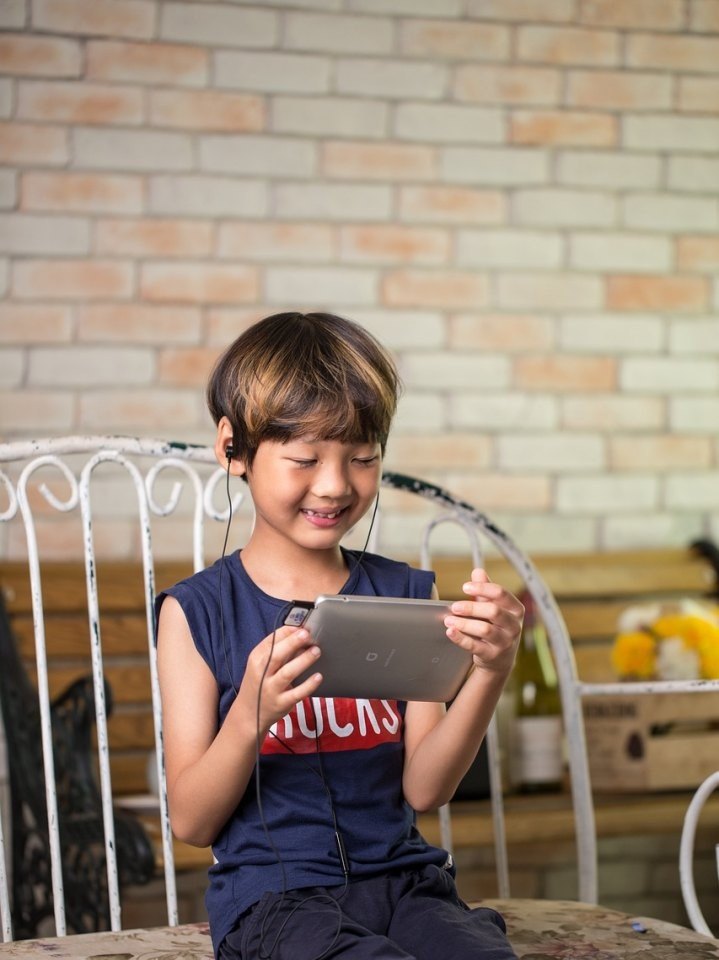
x,y
518,196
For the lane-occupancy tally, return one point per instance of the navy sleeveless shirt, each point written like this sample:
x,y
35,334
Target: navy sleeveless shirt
x,y
360,741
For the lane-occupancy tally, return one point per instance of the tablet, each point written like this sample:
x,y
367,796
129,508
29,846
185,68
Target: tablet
x,y
383,647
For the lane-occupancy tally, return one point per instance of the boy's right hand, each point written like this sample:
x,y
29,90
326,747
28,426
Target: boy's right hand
x,y
272,667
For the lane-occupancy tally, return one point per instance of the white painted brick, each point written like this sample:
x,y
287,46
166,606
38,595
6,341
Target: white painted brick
x,y
270,72
571,208
517,167
419,413
699,335
555,291
321,286
673,212
539,10
319,201
152,150
7,97
412,8
691,491
694,414
461,452
696,174
404,329
548,533
607,494
12,367
505,333
137,19
220,24
258,156
612,412
391,79
670,132
330,116
138,409
440,123
499,412
636,91
555,452
36,412
30,234
612,333
667,375
8,189
90,366
658,530
524,249
586,48
491,492
272,241
704,18
442,370
621,252
12,14
491,84
589,168
327,5
338,34
208,196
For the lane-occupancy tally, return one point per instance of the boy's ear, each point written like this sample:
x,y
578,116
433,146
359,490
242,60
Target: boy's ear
x,y
226,452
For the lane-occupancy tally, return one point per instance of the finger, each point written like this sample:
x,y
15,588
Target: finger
x,y
283,646
306,689
479,575
298,664
491,611
298,637
494,593
467,631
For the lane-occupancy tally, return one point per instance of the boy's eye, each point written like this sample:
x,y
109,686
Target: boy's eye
x,y
367,461
303,463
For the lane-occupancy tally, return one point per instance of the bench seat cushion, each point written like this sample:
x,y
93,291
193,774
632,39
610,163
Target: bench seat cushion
x,y
538,929
554,929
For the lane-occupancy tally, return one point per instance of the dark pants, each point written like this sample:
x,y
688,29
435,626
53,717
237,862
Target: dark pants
x,y
415,914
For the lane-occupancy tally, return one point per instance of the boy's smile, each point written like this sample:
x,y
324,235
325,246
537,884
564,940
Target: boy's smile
x,y
323,519
309,493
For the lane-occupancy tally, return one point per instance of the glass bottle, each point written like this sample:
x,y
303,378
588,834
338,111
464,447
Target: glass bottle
x,y
537,762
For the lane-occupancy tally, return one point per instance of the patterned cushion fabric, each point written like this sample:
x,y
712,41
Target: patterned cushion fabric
x,y
538,929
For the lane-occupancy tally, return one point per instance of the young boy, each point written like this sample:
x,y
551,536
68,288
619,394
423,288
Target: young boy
x,y
309,803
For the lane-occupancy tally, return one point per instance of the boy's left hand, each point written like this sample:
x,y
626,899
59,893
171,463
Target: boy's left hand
x,y
488,625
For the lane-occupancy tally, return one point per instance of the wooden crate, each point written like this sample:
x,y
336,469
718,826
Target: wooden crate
x,y
652,741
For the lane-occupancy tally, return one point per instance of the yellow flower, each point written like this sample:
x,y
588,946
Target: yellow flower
x,y
635,655
709,657
708,646
661,643
690,628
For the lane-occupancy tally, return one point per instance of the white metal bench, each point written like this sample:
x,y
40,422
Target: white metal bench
x,y
182,485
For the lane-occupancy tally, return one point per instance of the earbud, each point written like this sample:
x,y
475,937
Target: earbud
x,y
229,451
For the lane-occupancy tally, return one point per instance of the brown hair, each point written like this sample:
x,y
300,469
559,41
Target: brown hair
x,y
294,374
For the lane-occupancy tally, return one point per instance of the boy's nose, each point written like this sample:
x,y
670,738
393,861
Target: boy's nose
x,y
331,481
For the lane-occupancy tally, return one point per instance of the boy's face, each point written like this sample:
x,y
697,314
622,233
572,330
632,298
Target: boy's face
x,y
312,492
